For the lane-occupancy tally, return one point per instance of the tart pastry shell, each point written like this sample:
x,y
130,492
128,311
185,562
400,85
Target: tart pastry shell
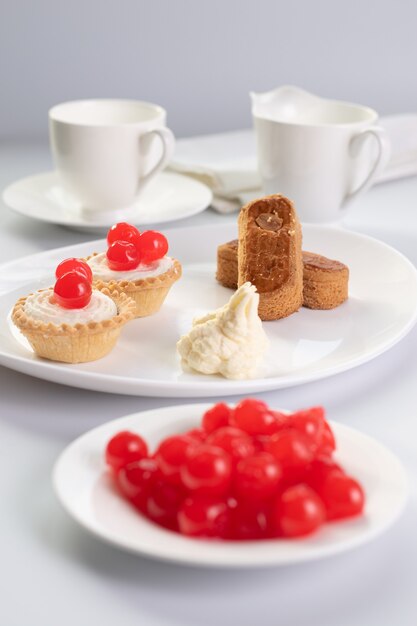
x,y
149,293
79,343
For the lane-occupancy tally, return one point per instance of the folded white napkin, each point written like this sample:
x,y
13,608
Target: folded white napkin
x,y
226,162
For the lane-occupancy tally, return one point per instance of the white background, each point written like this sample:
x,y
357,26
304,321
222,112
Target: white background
x,y
200,58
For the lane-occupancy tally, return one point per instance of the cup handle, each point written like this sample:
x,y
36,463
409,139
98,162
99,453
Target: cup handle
x,y
384,152
168,146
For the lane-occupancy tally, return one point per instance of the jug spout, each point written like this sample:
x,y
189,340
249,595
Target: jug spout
x,y
285,103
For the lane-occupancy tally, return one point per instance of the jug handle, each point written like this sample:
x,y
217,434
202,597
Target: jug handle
x,y
384,153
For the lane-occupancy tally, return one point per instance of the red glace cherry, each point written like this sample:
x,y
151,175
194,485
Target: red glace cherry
x,y
207,470
171,455
273,476
342,495
298,511
310,423
72,290
232,440
202,516
123,256
136,480
257,477
216,417
254,417
125,448
123,232
153,246
77,265
290,448
328,442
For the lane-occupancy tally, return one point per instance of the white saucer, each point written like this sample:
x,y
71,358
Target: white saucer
x,y
167,198
85,490
306,346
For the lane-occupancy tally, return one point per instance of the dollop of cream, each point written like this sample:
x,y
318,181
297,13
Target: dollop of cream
x,y
229,341
101,270
40,306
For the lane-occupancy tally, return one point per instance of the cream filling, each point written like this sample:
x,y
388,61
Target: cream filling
x,y
230,341
101,270
39,306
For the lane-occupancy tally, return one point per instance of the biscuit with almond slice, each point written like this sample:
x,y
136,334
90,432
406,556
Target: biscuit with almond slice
x,y
325,281
269,255
325,284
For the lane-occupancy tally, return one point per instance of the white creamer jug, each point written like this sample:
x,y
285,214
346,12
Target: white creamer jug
x,y
320,153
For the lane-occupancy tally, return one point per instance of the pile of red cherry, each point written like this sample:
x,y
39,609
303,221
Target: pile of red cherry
x,y
127,247
74,284
247,473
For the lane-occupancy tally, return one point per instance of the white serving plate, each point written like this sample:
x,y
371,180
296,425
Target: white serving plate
x,y
85,489
306,346
167,198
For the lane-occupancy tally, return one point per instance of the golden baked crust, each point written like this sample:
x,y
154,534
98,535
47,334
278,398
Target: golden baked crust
x,y
125,312
147,293
78,343
314,262
227,267
325,282
269,255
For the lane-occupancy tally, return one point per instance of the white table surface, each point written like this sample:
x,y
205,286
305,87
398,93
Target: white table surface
x,y
53,573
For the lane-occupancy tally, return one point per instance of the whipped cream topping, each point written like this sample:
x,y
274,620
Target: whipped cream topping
x,y
101,270
40,306
230,341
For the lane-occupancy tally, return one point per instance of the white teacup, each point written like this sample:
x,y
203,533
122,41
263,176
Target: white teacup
x,y
320,153
106,150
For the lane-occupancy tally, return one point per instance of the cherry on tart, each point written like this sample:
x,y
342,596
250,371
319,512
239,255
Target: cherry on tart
x,y
123,232
74,264
72,290
153,246
136,265
123,256
247,473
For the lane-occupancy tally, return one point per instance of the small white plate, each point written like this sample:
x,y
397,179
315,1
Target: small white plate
x,y
85,489
168,197
306,346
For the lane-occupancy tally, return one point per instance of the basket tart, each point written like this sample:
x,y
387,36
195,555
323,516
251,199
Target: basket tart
x,y
72,322
137,265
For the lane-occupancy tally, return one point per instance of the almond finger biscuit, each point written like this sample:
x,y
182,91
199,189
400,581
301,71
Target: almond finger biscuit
x,y
269,255
325,282
227,270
